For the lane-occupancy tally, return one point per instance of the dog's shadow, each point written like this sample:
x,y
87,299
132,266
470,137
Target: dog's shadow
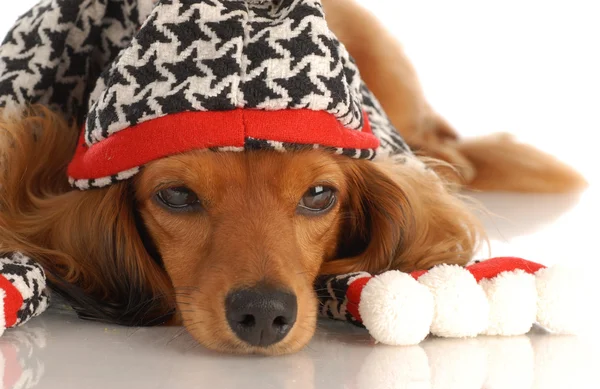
x,y
509,215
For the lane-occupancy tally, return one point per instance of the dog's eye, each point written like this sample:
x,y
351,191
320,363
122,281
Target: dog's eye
x,y
317,200
179,198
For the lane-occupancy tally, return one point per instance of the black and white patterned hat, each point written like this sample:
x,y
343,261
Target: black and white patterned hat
x,y
222,75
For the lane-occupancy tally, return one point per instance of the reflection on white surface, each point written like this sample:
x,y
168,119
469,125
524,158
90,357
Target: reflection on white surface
x,y
548,229
20,364
395,367
91,355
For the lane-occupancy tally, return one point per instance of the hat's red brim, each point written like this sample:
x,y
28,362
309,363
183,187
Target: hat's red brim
x,y
177,133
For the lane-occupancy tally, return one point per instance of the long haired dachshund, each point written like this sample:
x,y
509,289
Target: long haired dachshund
x,y
197,238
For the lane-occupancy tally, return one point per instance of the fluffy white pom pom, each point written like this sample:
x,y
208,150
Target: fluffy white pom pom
x,y
461,306
396,309
513,303
561,298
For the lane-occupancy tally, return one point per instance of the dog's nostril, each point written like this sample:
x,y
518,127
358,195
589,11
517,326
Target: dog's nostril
x,y
248,321
261,316
280,322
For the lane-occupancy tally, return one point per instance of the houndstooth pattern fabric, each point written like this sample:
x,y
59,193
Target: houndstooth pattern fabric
x,y
221,55
56,51
331,293
259,144
391,143
97,183
29,278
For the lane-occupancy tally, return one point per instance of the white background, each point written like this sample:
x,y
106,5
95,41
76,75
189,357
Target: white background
x,y
523,66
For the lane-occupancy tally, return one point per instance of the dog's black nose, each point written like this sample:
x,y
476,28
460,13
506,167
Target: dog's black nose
x,y
261,316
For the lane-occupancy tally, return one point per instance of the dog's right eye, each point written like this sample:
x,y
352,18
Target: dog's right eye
x,y
179,199
317,200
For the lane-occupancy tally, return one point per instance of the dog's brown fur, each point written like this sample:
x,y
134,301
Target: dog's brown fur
x,y
119,256
386,217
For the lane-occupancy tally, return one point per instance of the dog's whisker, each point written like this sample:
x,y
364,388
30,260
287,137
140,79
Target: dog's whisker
x,y
176,336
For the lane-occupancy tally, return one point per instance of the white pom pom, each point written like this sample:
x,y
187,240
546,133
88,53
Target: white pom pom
x,y
396,309
512,297
561,298
461,307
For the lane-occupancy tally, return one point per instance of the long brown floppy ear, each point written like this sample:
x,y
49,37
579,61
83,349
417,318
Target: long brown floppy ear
x,y
104,267
401,217
87,242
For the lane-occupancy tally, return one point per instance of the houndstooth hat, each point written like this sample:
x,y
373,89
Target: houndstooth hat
x,y
221,75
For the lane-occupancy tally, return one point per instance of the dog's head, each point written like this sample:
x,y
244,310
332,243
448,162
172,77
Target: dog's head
x,y
227,243
242,236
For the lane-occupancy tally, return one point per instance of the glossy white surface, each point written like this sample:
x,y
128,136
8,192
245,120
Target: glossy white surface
x,y
525,67
56,352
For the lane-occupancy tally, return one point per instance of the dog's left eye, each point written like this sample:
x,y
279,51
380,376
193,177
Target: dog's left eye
x,y
178,198
317,200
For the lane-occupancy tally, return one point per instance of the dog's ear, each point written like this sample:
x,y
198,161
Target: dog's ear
x,y
111,276
87,241
399,216
90,247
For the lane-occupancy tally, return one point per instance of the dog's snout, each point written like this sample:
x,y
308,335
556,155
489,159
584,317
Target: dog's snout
x,y
261,316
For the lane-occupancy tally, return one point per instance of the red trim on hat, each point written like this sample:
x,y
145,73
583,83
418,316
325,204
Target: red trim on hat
x,y
177,133
304,126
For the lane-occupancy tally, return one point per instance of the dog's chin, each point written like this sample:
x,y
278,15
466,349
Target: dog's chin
x,y
216,335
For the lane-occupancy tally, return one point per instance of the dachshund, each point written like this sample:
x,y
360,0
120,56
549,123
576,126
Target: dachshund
x,y
196,238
